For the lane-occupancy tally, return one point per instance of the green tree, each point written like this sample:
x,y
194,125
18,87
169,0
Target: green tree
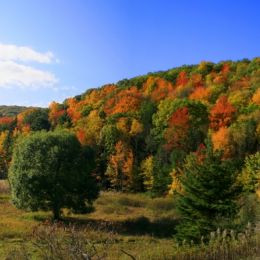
x,y
209,197
38,120
50,170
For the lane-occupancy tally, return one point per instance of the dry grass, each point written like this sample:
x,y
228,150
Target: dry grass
x,y
4,187
121,225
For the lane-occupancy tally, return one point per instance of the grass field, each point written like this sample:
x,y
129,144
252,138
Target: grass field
x,y
123,226
132,222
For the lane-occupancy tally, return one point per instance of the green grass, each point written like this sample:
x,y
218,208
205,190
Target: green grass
x,y
121,225
132,219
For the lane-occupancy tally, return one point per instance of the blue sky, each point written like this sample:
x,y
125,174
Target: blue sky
x,y
53,49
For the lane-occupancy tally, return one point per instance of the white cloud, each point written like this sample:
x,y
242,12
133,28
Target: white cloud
x,y
13,74
9,52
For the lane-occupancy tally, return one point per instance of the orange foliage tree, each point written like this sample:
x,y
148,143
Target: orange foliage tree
x,y
196,80
120,167
221,114
96,96
128,100
6,120
256,97
72,110
157,88
55,112
221,141
200,93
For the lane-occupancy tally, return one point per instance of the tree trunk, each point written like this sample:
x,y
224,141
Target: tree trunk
x,y
56,212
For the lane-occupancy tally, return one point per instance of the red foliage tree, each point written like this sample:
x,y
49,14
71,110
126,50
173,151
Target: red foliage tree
x,y
178,126
6,120
221,114
182,79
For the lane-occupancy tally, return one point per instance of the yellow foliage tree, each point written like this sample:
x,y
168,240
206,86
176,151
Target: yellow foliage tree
x,y
88,129
136,127
175,186
147,167
221,141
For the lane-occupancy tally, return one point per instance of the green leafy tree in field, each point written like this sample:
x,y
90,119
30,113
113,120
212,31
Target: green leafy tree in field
x,y
51,171
209,197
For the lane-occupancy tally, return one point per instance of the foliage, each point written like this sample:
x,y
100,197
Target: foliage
x,y
164,114
37,120
58,174
120,167
147,168
221,114
250,176
208,199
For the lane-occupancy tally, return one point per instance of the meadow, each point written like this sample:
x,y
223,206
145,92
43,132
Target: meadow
x,y
122,226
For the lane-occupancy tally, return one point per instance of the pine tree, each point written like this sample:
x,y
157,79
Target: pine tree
x,y
208,200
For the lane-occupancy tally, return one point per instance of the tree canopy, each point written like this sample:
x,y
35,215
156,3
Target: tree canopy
x,y
50,170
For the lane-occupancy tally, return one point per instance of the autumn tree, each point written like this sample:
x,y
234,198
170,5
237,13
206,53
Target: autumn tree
x,y
147,168
120,167
200,93
256,97
158,88
128,100
182,79
177,133
88,129
221,141
222,114
57,114
4,155
72,110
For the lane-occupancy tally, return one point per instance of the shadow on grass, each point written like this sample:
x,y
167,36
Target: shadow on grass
x,y
161,227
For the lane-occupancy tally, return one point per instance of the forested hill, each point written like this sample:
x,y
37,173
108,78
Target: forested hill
x,y
11,110
143,128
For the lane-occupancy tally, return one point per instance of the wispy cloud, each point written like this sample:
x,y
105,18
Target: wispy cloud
x,y
14,73
25,54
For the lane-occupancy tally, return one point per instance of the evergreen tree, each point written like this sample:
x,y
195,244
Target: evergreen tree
x,y
209,194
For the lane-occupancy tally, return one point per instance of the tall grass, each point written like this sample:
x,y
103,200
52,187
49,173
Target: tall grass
x,y
225,245
4,187
58,241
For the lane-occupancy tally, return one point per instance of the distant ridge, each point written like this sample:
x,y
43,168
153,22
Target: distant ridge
x,y
11,110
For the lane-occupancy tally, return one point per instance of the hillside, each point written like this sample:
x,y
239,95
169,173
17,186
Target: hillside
x,y
11,110
144,127
175,154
